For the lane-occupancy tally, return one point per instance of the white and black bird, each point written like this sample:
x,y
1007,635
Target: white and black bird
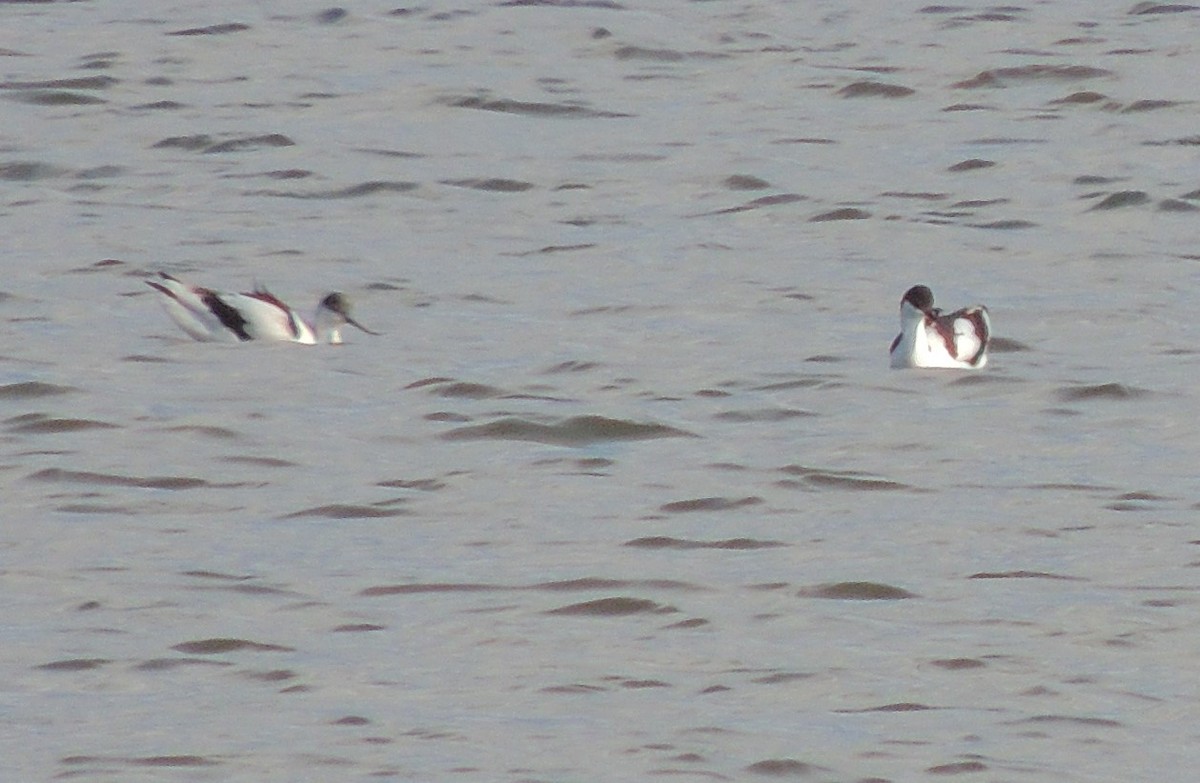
x,y
211,315
929,338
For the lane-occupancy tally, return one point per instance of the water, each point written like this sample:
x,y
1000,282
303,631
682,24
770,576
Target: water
x,y
626,489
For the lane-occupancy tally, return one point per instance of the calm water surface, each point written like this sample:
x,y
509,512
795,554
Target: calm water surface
x,y
626,490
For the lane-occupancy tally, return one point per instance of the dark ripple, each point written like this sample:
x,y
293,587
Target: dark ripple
x,y
346,511
23,171
1146,8
201,142
843,213
100,172
758,203
856,591
251,143
159,106
1000,77
1073,719
433,587
217,646
1072,487
142,761
247,589
630,683
779,678
575,431
572,365
587,583
1081,98
997,140
785,768
446,387
54,98
74,665
978,203
709,504
998,14
600,583
1005,225
533,109
386,153
1123,198
106,265
958,664
662,55
972,164
541,251
93,508
613,607
110,479
919,196
446,416
574,688
1022,575
1103,391
765,414
332,15
850,480
276,174
207,431
425,485
873,89
494,185
217,575
353,191
899,706
215,29
263,462
273,675
40,424
29,389
1135,501
81,83
1185,141
197,141
969,107
1149,105
745,182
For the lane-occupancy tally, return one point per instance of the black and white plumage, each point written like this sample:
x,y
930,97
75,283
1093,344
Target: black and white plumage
x,y
929,338
210,315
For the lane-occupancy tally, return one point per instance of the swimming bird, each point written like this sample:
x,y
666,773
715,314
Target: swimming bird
x,y
930,339
207,315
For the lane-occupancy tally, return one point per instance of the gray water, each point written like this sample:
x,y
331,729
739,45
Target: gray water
x,y
626,490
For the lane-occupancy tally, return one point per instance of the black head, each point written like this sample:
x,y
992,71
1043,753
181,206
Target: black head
x,y
920,297
338,304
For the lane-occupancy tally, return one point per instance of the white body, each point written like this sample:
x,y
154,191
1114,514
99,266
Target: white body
x,y
209,315
929,339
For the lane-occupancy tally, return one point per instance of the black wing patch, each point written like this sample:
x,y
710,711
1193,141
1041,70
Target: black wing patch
x,y
229,317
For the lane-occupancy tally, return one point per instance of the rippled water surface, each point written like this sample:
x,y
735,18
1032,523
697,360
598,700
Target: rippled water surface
x,y
625,490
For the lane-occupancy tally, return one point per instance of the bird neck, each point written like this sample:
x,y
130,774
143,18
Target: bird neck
x,y
327,326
